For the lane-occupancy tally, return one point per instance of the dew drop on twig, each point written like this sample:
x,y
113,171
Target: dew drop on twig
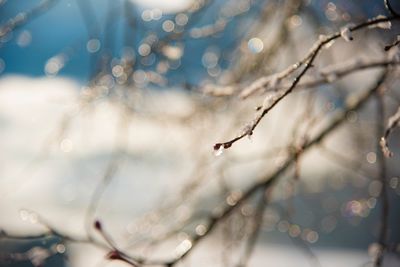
x,y
218,152
218,149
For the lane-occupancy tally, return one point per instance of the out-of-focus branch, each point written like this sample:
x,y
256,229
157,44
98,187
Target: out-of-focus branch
x,y
343,161
98,192
25,17
352,103
109,174
252,239
89,17
334,73
255,66
381,160
93,31
328,74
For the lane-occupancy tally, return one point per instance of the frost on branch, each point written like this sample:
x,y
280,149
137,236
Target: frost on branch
x,y
346,34
393,122
385,25
385,147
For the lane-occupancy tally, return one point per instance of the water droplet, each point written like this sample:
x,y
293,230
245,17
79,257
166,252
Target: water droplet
x,y
210,59
93,45
146,15
283,226
144,49
168,26
371,157
60,248
294,230
255,45
117,71
181,19
201,229
172,52
156,14
24,38
295,21
54,65
312,237
218,152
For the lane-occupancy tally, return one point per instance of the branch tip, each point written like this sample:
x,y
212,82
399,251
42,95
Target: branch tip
x,y
97,225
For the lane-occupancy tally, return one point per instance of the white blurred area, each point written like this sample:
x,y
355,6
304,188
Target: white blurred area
x,y
168,6
56,150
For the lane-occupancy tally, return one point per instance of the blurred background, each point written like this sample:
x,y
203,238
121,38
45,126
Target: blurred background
x,y
109,111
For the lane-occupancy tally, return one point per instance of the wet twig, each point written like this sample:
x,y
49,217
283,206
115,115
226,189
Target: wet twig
x,y
307,63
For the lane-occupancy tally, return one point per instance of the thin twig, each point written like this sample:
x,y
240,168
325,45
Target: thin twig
x,y
265,182
352,103
307,62
381,160
257,221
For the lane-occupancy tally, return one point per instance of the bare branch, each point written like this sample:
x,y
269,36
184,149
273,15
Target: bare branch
x,y
352,103
307,61
381,159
